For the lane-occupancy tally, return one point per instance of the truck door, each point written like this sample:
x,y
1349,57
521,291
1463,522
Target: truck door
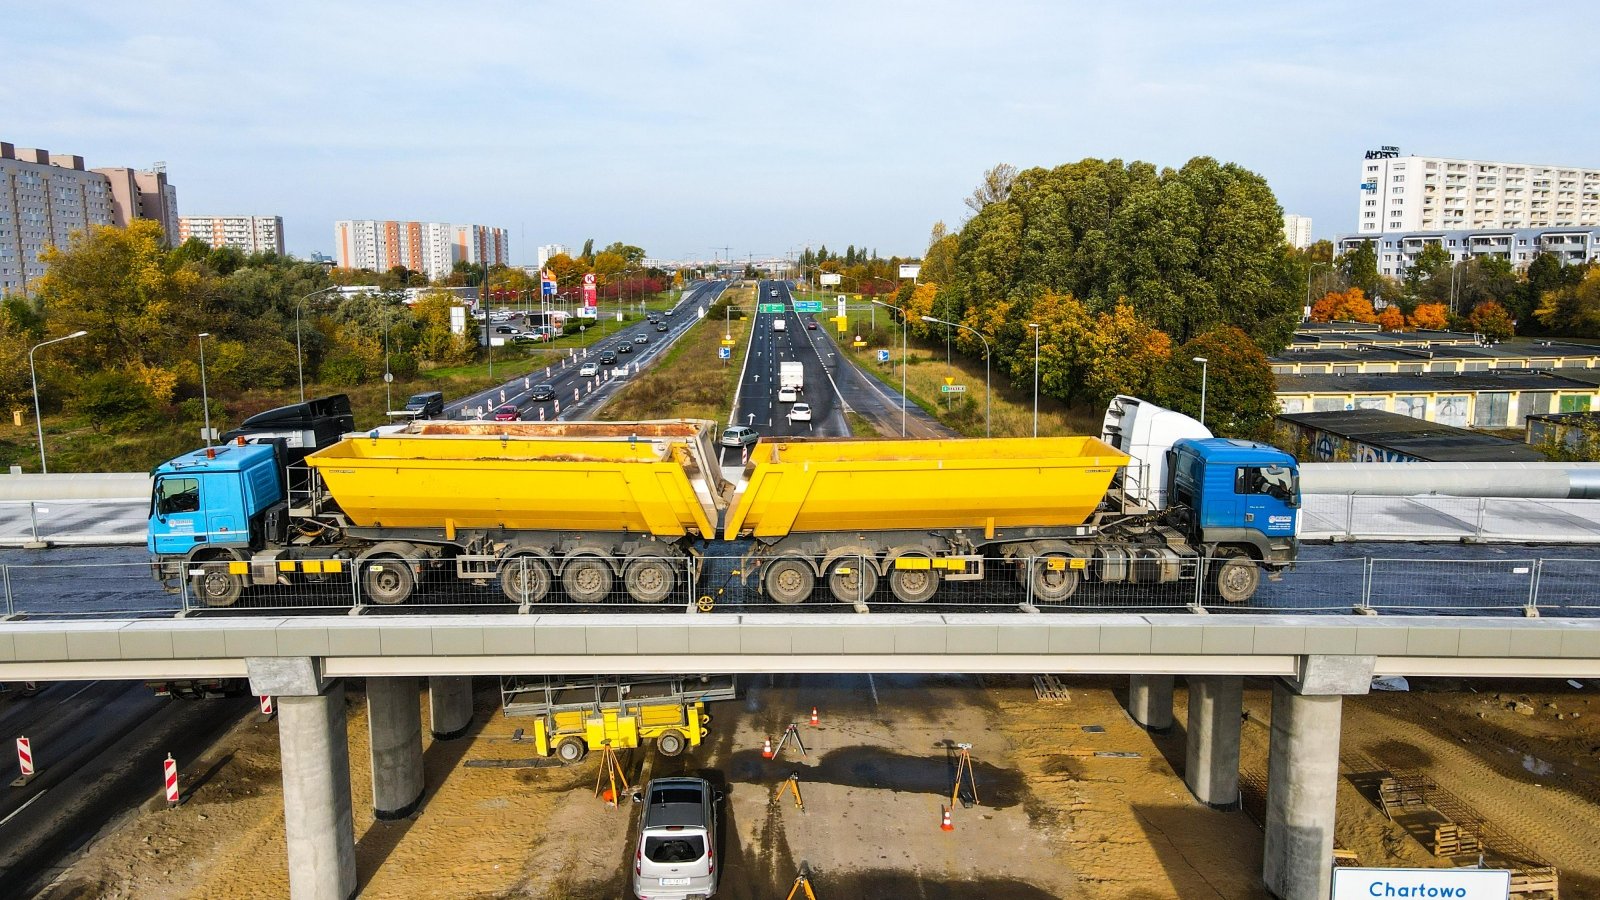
x,y
1268,497
177,519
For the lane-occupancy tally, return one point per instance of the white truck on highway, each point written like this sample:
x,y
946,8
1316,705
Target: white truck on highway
x,y
778,324
791,380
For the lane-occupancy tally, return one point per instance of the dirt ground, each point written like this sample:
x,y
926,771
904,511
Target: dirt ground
x,y
1052,819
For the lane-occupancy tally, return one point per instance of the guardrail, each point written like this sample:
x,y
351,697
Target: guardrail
x,y
1567,586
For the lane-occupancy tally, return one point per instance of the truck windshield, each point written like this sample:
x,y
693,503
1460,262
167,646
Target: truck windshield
x,y
177,495
1274,481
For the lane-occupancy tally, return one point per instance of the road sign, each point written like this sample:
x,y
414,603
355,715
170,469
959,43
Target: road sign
x,y
842,312
588,278
770,308
727,342
808,306
883,356
724,353
1472,884
949,380
952,389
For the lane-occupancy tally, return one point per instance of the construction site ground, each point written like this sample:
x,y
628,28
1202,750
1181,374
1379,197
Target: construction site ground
x,y
1053,819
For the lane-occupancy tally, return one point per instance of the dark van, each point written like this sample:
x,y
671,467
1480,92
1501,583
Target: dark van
x,y
426,405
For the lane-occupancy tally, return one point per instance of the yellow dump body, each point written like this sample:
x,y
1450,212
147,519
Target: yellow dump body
x,y
645,477
806,486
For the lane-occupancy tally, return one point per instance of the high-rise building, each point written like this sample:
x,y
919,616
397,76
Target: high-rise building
x,y
432,248
1297,231
251,234
1428,193
45,197
548,250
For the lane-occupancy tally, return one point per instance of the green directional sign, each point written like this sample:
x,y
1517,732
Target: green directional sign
x,y
771,308
808,306
952,389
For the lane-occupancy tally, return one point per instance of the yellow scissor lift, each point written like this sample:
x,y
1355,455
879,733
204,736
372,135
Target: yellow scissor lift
x,y
575,714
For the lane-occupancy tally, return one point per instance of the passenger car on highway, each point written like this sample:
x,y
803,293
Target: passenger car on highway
x,y
608,358
507,412
787,395
641,339
676,857
542,393
589,370
811,326
623,347
662,327
739,436
800,412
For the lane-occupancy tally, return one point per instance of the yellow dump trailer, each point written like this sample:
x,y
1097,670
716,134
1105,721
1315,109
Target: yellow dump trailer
x,y
523,503
916,512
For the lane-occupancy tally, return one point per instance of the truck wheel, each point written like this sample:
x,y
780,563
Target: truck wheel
x,y
1235,578
215,587
525,579
913,585
387,581
649,579
587,580
1053,585
670,743
571,749
789,581
856,584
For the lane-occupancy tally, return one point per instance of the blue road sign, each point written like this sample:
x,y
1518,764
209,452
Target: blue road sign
x,y
725,352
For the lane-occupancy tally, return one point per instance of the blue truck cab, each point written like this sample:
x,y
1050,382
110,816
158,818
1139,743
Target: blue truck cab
x,y
1244,497
210,499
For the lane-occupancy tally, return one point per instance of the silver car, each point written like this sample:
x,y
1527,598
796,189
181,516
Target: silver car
x,y
676,858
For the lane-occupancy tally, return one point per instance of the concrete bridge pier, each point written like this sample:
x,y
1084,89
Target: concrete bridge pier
x,y
1150,701
449,705
1212,761
1303,774
394,719
313,742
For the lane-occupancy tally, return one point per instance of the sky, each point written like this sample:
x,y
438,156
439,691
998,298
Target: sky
x,y
689,127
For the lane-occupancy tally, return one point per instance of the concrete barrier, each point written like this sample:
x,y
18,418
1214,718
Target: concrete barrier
x,y
76,486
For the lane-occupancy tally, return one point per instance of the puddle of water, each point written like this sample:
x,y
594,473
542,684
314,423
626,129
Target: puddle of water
x,y
1536,765
874,767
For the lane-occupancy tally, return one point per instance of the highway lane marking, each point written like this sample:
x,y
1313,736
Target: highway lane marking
x,y
18,811
76,693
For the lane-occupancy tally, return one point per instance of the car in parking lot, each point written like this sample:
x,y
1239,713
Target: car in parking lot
x,y
542,393
507,412
739,436
676,856
662,327
588,370
800,412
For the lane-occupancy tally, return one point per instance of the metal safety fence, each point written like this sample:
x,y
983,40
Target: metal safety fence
x,y
1354,517
652,582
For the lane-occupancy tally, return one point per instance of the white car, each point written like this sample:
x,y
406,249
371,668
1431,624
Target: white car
x,y
800,412
787,395
589,370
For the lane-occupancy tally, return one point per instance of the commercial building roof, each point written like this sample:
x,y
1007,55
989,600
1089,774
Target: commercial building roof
x,y
1426,441
1565,379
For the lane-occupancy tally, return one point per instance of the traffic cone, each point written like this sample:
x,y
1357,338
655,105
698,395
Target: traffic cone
x,y
766,748
946,824
813,717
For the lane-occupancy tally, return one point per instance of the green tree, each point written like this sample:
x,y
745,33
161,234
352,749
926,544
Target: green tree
x,y
1359,266
1575,309
1432,264
1491,320
1240,400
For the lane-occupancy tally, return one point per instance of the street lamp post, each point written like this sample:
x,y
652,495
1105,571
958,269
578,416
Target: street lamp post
x,y
205,397
33,373
299,354
985,366
1203,364
388,401
903,355
1035,327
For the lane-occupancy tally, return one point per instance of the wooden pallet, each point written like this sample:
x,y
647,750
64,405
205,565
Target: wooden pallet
x,y
1540,883
1049,687
1454,840
1398,799
1345,858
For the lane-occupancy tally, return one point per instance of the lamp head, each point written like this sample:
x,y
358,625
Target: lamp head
x,y
1201,360
77,334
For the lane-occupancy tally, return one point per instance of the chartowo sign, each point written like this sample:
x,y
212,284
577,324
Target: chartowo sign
x,y
1421,884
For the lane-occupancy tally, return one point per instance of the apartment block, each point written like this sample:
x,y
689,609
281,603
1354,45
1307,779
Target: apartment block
x,y
1398,252
250,234
1297,231
432,248
1422,193
548,250
45,197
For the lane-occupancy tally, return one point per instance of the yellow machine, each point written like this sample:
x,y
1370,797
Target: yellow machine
x,y
572,716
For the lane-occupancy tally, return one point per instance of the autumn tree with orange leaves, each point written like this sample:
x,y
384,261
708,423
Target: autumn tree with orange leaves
x,y
1432,316
1344,306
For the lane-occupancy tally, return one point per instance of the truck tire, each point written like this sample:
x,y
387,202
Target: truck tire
x,y
913,585
1053,585
215,587
387,581
1234,577
855,585
649,579
587,579
789,581
571,749
671,742
525,579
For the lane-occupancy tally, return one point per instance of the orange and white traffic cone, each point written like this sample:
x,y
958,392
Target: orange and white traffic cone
x,y
813,717
766,748
946,824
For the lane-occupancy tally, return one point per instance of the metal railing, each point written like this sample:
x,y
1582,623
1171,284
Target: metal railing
x,y
1567,586
1354,517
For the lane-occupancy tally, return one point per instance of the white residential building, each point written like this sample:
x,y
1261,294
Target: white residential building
x,y
548,250
1297,231
251,234
1434,193
432,248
